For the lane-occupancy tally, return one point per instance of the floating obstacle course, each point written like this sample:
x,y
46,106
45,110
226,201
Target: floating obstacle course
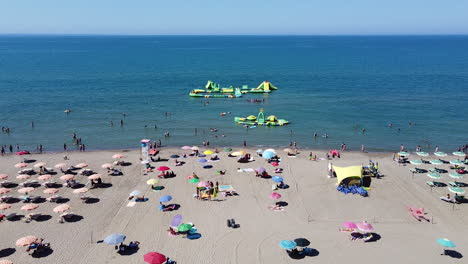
x,y
260,120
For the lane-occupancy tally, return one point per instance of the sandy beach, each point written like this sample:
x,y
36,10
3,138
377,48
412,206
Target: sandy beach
x,y
315,210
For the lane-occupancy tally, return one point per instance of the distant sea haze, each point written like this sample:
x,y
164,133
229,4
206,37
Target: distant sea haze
x,y
328,85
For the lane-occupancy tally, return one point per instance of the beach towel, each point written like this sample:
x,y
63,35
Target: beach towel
x,y
225,188
246,170
131,204
274,208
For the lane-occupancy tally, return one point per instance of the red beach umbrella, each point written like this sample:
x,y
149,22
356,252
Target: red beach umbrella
x,y
154,258
163,168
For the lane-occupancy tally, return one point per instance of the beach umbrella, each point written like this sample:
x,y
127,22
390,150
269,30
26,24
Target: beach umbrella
x,y
259,151
422,154
21,165
260,170
204,184
202,160
456,175
6,261
25,241
29,207
268,154
3,176
163,168
446,243
184,227
152,181
456,162
403,153
227,149
144,162
135,193
271,150
61,208
176,220
106,166
208,152
459,154
4,190
23,176
61,165
194,180
365,227
154,258
95,177
436,162
114,239
81,165
433,175
40,164
194,148
50,191
277,179
288,244
4,206
81,190
275,164
44,177
416,162
287,150
175,156
275,196
186,148
67,177
456,190
440,154
26,190
118,156
238,153
302,242
165,198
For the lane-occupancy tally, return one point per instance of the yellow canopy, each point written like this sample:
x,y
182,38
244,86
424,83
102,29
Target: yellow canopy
x,y
343,173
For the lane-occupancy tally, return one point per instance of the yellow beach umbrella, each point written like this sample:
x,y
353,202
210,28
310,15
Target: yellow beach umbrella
x,y
152,181
208,152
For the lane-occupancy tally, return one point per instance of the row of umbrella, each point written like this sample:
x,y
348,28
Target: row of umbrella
x,y
438,154
29,207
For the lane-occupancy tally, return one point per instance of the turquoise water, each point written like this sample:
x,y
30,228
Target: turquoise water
x,y
333,85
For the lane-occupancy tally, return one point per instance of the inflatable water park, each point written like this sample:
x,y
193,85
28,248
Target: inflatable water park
x,y
213,90
260,120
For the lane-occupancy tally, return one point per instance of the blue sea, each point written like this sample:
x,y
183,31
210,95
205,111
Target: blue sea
x,y
327,84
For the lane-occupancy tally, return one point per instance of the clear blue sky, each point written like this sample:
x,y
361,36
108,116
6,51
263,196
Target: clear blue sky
x,y
234,16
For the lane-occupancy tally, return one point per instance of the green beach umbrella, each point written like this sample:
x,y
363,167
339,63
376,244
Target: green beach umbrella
x,y
446,243
456,190
434,175
227,149
459,154
194,180
416,162
440,154
403,153
436,162
456,175
422,154
456,162
184,227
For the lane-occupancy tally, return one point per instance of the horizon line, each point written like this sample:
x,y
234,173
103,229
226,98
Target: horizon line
x,y
230,35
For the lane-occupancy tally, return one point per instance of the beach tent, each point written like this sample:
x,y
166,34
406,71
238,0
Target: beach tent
x,y
266,86
348,175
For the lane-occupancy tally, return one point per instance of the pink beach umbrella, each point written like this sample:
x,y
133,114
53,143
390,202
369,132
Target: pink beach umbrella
x,y
44,177
81,165
4,190
118,156
94,176
275,196
365,227
25,241
61,208
203,184
260,170
3,176
50,191
349,225
29,207
40,164
67,177
163,168
61,165
23,176
186,148
81,190
5,206
274,163
106,166
6,261
26,190
21,165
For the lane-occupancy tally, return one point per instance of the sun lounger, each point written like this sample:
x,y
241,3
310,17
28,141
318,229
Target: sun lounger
x,y
445,199
418,213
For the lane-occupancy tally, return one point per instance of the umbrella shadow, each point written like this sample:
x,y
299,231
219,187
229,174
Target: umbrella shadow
x,y
128,251
92,200
126,164
74,218
12,200
7,252
62,200
194,236
282,203
453,253
78,186
311,252
375,237
39,200
43,253
14,217
105,185
158,188
29,160
43,218
10,185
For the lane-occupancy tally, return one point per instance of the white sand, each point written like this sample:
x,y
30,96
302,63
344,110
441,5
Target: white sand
x,y
315,211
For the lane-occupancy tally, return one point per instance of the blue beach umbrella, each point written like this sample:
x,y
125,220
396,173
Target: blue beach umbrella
x,y
277,179
433,175
268,154
288,244
459,153
165,198
202,160
456,162
422,154
445,242
436,162
416,162
135,193
114,239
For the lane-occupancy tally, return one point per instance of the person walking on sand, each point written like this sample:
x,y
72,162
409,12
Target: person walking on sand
x,y
363,149
436,149
402,147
